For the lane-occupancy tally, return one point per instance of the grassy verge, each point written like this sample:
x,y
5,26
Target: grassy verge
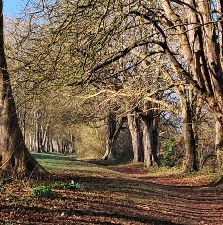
x,y
59,163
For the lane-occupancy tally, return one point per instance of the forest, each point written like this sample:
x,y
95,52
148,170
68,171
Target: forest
x,y
111,112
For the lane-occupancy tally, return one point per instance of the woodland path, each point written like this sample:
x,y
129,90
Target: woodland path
x,y
110,194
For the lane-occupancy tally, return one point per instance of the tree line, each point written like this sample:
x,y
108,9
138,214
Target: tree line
x,y
149,71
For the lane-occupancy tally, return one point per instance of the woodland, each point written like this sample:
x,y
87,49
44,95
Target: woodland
x,y
111,112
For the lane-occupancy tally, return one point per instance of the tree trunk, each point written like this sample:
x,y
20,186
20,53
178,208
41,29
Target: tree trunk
x,y
39,138
150,139
111,152
24,126
51,145
135,131
147,145
58,146
15,156
72,149
45,135
110,131
190,163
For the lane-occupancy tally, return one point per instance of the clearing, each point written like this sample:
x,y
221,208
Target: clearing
x,y
111,194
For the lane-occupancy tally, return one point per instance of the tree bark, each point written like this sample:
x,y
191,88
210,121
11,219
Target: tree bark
x,y
190,162
72,148
135,131
39,138
51,145
110,131
150,138
111,151
15,156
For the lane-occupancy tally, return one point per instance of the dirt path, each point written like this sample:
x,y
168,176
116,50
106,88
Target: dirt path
x,y
180,199
110,195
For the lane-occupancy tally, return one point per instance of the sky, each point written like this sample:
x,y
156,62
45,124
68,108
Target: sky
x,y
12,7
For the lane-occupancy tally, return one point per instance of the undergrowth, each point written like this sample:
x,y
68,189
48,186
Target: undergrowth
x,y
48,190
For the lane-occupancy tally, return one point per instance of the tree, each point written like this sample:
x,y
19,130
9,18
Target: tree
x,y
150,134
136,136
200,41
15,157
112,133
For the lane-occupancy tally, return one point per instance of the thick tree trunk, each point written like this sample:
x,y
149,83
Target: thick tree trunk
x,y
111,150
135,131
14,154
147,146
150,139
190,162
110,131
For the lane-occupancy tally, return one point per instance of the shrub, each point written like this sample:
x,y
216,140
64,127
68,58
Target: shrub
x,y
167,157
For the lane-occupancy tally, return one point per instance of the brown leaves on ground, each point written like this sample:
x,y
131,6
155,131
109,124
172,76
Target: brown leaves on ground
x,y
126,195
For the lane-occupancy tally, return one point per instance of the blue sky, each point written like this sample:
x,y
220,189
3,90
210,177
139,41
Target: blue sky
x,y
12,7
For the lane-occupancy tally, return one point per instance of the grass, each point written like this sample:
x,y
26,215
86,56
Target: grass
x,y
177,172
54,162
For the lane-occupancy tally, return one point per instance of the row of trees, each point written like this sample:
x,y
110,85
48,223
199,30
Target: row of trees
x,y
152,67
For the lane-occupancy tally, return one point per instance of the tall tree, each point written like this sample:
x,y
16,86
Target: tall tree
x,y
150,135
136,135
201,47
15,157
190,162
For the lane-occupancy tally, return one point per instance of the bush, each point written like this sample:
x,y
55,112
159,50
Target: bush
x,y
167,157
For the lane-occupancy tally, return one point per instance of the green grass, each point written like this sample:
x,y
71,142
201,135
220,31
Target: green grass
x,y
55,162
53,156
